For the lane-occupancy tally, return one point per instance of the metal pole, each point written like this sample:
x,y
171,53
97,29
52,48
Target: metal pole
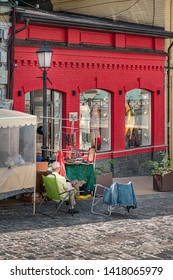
x,y
168,101
44,146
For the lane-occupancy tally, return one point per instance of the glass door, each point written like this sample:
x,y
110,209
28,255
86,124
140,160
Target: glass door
x,y
38,111
34,105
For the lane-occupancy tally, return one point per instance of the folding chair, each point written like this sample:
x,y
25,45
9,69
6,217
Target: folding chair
x,y
52,194
105,199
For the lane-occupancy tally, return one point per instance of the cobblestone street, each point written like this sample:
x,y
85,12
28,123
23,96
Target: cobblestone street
x,y
144,233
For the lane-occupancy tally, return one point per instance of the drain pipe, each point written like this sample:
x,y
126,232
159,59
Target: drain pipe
x,y
168,116
23,27
11,52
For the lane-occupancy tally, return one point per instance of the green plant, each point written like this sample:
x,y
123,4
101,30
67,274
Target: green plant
x,y
104,166
162,167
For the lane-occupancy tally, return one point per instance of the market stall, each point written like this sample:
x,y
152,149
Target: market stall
x,y
83,171
17,153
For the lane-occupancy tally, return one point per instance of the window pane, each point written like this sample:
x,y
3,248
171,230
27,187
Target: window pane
x,y
95,120
57,121
27,103
137,118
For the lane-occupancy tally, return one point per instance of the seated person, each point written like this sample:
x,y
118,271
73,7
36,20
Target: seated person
x,y
64,186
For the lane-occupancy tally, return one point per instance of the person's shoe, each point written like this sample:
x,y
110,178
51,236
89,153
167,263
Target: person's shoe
x,y
73,211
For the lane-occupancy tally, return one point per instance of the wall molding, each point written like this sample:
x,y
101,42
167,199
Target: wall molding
x,y
93,65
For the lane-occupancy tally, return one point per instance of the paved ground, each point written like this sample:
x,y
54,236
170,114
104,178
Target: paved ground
x,y
144,233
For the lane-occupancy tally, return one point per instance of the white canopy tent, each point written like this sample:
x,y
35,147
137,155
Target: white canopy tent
x,y
17,153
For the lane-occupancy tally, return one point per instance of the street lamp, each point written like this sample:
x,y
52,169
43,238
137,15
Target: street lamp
x,y
44,55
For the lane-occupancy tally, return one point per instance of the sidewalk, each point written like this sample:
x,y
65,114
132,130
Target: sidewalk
x,y
142,184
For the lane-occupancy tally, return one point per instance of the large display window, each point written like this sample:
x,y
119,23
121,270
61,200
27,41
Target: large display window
x,y
34,105
95,120
137,118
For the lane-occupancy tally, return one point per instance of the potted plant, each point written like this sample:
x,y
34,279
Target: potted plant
x,y
103,173
162,173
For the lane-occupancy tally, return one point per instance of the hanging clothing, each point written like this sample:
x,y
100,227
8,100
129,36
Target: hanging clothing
x,y
60,159
130,120
95,127
85,118
120,194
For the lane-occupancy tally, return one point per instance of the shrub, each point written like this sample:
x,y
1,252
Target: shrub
x,y
162,167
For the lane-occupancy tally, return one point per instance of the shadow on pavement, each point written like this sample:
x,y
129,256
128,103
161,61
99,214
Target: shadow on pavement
x,y
18,216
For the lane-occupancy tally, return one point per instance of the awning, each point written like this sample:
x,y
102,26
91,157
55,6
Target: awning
x,y
10,118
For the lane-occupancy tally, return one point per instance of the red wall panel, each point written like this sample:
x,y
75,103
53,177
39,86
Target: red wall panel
x,y
139,41
96,38
56,34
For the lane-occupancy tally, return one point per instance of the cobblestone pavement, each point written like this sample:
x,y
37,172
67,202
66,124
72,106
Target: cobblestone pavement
x,y
144,233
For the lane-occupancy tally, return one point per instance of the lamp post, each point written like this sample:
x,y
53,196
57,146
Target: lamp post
x,y
44,55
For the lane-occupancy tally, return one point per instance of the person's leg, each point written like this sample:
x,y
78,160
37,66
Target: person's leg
x,y
72,203
71,197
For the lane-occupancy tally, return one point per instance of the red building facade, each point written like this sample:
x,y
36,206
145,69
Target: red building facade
x,y
117,66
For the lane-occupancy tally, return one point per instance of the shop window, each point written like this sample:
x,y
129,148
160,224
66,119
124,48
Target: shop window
x,y
137,118
34,105
95,120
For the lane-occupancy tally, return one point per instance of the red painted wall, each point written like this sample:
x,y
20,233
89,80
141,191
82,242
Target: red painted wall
x,y
80,70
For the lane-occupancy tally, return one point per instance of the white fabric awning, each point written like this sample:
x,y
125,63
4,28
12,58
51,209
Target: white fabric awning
x,y
10,118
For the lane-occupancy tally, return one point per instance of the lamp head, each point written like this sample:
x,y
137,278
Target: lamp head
x,y
44,55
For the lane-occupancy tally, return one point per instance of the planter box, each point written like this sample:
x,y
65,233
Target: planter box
x,y
105,179
163,183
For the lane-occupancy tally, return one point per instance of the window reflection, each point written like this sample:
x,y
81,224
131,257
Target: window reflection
x,y
95,120
137,118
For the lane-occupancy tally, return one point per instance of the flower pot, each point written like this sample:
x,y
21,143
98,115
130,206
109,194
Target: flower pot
x,y
105,179
163,183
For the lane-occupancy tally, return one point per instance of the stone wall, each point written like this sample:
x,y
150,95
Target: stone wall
x,y
131,165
